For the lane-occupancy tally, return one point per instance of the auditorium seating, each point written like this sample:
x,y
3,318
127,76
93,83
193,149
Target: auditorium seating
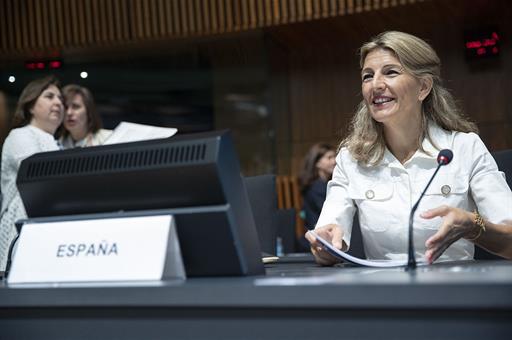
x,y
263,200
289,197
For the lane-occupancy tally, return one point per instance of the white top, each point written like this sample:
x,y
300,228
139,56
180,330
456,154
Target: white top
x,y
92,139
384,195
19,144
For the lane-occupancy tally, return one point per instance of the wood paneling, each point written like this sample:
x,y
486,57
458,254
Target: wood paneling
x,y
319,60
290,197
314,82
49,24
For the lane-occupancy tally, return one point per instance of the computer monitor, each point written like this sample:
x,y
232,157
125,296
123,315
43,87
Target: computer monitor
x,y
194,177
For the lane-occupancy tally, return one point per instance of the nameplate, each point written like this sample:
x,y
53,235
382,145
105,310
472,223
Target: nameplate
x,y
114,249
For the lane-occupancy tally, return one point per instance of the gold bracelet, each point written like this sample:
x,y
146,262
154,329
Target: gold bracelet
x,y
479,221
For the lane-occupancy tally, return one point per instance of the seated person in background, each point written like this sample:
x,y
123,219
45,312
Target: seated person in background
x,y
39,113
405,118
316,171
82,123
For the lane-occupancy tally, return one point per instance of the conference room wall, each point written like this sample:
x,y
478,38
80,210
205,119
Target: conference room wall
x,y
316,67
301,80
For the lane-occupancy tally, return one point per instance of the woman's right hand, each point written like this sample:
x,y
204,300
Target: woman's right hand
x,y
331,233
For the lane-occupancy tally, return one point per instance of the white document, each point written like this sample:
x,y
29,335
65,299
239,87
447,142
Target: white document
x,y
355,260
132,132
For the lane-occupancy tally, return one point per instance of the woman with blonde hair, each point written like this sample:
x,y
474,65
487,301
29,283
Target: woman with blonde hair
x,y
405,118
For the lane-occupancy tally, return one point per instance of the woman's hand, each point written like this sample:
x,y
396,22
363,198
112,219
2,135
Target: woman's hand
x,y
331,233
457,223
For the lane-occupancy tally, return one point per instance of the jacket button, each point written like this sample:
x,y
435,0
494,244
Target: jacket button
x,y
369,194
445,189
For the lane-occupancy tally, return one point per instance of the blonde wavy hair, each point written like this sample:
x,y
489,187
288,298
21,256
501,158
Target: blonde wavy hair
x,y
366,141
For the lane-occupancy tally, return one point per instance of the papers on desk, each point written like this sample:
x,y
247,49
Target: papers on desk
x,y
269,259
355,260
131,132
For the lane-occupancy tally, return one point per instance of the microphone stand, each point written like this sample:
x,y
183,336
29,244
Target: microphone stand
x,y
411,262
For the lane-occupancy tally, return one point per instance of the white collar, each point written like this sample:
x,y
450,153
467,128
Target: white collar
x,y
439,136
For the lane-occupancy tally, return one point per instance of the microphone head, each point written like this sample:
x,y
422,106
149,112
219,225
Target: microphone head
x,y
444,157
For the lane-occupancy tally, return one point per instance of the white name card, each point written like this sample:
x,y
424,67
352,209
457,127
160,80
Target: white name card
x,y
114,249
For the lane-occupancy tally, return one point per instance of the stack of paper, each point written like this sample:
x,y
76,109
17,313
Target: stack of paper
x,y
131,132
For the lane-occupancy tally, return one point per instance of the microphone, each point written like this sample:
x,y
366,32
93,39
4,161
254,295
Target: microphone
x,y
443,158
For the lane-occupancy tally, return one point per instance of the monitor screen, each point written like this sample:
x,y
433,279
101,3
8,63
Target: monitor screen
x,y
194,177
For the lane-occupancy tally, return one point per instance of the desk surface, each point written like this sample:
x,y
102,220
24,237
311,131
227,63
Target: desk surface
x,y
473,299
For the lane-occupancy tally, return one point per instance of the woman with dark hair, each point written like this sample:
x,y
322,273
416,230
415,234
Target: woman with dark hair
x,y
39,113
317,169
82,124
405,118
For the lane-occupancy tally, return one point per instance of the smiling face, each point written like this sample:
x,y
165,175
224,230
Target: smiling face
x,y
76,117
390,93
48,110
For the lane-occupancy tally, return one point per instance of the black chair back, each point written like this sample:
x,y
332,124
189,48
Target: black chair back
x,y
263,200
504,160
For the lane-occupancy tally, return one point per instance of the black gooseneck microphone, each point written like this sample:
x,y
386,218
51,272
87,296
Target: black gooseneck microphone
x,y
444,157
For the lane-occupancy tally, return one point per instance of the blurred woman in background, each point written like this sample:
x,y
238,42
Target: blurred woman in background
x,y
39,113
317,169
82,123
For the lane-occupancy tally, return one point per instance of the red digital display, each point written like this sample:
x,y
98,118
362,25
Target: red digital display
x,y
54,64
42,65
483,43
